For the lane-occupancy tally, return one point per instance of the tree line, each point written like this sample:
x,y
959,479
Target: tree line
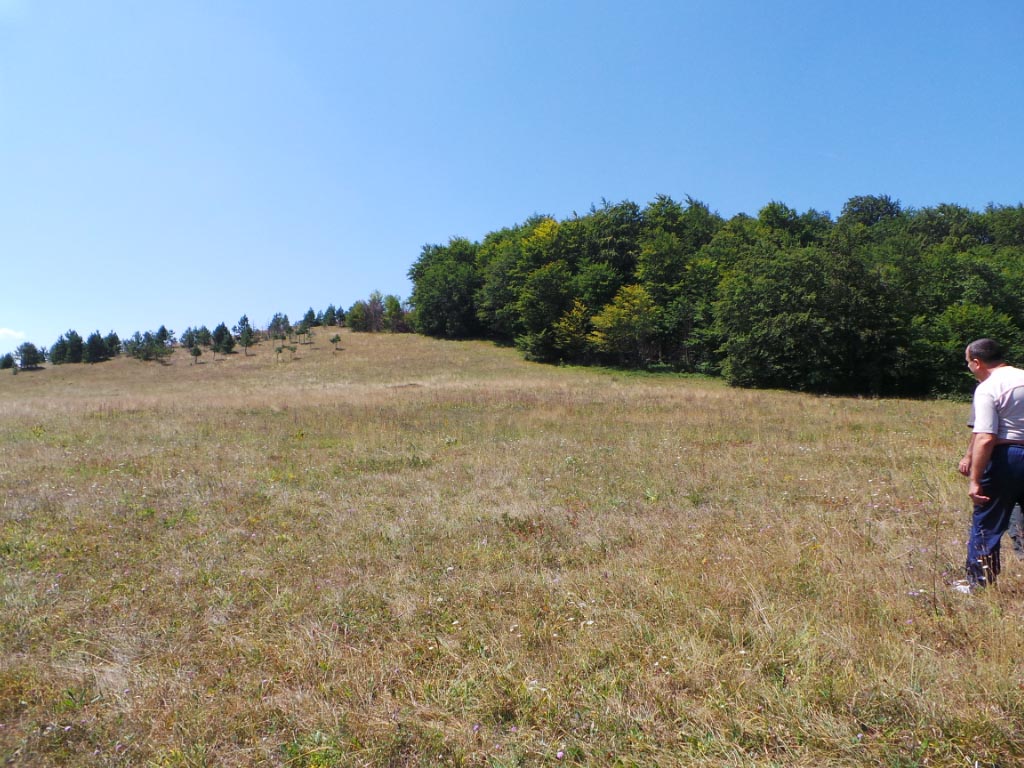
x,y
879,301
378,313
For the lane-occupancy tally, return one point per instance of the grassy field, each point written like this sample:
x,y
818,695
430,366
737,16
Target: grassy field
x,y
415,552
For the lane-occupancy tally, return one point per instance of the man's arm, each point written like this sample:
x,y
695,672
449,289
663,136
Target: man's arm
x,y
964,467
981,454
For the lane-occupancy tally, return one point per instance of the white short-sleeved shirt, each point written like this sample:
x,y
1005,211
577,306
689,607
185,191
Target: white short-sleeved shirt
x,y
999,404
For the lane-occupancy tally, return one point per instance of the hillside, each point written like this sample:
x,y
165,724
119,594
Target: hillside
x,y
423,552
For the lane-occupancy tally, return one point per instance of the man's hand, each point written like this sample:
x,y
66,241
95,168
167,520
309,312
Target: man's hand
x,y
981,453
964,467
974,490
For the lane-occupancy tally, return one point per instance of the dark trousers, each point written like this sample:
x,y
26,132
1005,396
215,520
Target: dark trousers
x,y
1003,483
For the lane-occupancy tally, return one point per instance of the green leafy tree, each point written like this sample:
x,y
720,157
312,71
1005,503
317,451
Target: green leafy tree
x,y
196,352
940,343
738,239
689,333
596,283
335,340
613,232
953,225
809,320
545,297
395,315
779,225
356,319
309,319
330,315
661,265
375,312
571,333
6,362
1005,225
501,267
693,225
445,281
625,330
869,210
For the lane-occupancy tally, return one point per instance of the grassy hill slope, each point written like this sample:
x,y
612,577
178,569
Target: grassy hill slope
x,y
416,552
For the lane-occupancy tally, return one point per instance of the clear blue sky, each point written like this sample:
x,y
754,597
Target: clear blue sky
x,y
182,162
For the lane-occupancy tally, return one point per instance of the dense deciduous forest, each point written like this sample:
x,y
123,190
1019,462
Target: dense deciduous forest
x,y
879,301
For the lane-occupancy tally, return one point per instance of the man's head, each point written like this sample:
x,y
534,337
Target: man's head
x,y
982,355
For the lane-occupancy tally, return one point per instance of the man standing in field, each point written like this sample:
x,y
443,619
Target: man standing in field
x,y
996,468
1016,529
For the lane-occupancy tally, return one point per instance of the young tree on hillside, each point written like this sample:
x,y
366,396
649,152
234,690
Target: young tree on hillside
x,y
375,312
113,344
75,347
29,356
203,337
356,319
395,315
246,335
223,341
95,349
246,339
164,336
279,327
147,346
59,351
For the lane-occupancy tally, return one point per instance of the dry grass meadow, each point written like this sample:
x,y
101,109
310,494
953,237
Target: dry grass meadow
x,y
413,552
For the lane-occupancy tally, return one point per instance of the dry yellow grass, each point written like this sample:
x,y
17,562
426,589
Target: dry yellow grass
x,y
415,552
